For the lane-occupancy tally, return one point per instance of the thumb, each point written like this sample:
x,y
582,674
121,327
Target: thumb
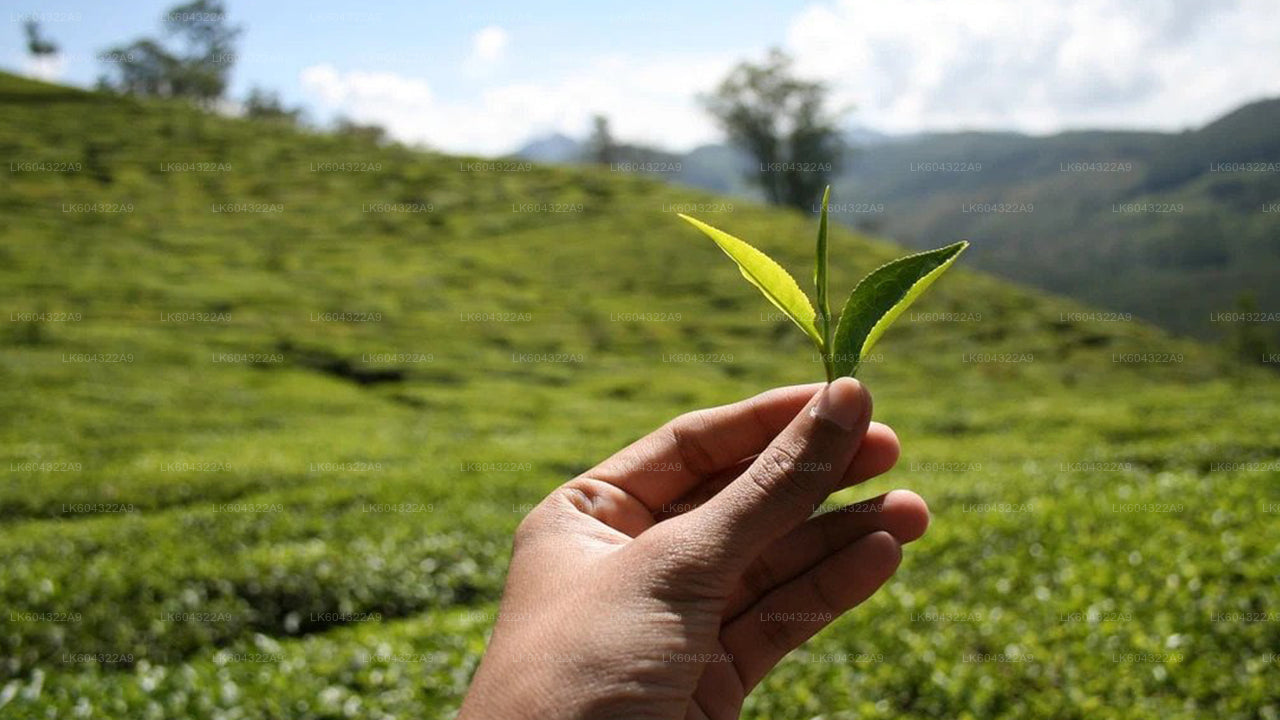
x,y
806,462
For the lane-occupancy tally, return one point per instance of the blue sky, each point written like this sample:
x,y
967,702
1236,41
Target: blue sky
x,y
485,76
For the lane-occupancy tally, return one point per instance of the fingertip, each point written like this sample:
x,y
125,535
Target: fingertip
x,y
857,392
882,552
844,402
886,444
887,434
906,515
877,454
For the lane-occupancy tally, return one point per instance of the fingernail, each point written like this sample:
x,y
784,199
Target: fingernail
x,y
844,402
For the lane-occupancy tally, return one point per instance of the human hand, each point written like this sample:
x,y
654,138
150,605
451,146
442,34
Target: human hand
x,y
668,580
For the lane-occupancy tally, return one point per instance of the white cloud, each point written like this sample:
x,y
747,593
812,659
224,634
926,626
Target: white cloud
x,y
646,100
905,66
340,90
489,45
920,64
45,67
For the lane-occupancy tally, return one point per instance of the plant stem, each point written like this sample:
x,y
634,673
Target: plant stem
x,y
820,281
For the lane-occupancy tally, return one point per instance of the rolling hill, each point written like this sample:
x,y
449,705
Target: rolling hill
x,y
272,402
1175,228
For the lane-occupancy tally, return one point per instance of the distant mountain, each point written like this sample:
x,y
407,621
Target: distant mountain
x,y
719,168
862,136
1171,227
554,148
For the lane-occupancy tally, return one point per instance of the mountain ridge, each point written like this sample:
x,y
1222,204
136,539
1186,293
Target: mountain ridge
x,y
1091,202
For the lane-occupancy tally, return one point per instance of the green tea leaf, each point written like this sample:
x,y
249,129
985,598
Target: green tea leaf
x,y
771,278
820,282
881,297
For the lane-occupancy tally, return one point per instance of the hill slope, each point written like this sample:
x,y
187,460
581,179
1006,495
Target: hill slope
x,y
272,403
1172,227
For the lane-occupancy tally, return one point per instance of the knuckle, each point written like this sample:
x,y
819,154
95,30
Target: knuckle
x,y
778,634
781,472
823,593
831,533
544,517
759,578
580,494
682,562
526,531
686,436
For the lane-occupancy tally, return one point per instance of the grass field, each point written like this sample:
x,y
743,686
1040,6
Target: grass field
x,y
267,464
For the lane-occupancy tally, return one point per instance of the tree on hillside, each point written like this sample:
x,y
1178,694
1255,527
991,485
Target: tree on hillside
x,y
266,105
368,132
784,123
1249,340
39,46
601,148
199,69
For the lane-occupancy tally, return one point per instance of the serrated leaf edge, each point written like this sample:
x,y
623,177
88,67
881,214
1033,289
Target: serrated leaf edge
x,y
894,312
810,329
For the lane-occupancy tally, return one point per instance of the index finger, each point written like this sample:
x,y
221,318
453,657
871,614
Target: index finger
x,y
665,464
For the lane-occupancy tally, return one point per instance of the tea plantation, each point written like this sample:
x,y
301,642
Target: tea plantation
x,y
272,402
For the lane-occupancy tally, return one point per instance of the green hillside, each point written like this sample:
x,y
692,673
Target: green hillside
x,y
1170,227
272,402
